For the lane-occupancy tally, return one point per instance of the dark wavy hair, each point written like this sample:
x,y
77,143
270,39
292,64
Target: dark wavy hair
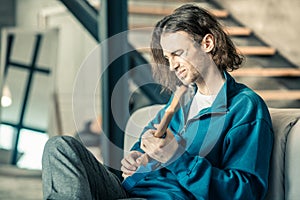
x,y
197,22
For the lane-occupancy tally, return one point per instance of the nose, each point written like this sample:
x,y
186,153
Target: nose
x,y
173,64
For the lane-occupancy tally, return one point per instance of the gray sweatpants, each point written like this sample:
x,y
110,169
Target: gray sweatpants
x,y
70,172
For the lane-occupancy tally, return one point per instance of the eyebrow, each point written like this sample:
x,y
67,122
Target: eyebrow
x,y
174,52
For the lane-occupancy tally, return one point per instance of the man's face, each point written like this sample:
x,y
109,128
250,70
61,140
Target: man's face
x,y
186,57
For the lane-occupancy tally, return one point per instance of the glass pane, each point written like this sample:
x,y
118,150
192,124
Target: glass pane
x,y
6,143
12,113
31,144
22,48
6,136
36,115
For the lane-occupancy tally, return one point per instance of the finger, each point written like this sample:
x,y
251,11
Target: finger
x,y
143,160
127,171
131,158
148,143
148,134
169,136
124,161
148,146
128,165
143,143
158,154
143,147
124,176
136,154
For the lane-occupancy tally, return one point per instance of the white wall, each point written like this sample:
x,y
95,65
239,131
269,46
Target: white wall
x,y
275,21
75,43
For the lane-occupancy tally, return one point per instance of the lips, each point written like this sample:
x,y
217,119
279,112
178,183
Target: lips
x,y
181,73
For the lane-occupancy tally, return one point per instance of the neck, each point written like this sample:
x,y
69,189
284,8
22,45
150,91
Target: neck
x,y
212,82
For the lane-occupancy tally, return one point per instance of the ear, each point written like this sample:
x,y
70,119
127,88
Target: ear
x,y
208,43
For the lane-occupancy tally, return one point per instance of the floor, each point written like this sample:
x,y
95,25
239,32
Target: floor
x,y
20,184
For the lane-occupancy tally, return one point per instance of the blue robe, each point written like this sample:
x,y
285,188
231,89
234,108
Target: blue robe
x,y
225,151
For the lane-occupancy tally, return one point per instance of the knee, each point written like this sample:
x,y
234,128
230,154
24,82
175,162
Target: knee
x,y
58,143
57,148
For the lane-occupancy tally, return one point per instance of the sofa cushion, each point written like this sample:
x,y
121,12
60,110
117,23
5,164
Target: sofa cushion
x,y
281,181
136,123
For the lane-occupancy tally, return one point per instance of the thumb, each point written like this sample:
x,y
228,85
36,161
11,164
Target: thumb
x,y
143,160
169,133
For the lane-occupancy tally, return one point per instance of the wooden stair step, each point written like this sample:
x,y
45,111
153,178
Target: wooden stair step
x,y
230,30
155,10
245,50
237,31
256,50
269,95
171,1
267,72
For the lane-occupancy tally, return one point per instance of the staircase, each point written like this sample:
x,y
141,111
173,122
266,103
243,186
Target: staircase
x,y
265,70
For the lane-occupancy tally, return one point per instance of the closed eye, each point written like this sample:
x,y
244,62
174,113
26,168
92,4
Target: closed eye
x,y
177,52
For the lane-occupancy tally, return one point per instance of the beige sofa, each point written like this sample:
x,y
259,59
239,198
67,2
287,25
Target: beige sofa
x,y
284,179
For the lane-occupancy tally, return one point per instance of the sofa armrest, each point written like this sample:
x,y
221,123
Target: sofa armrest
x,y
282,178
292,163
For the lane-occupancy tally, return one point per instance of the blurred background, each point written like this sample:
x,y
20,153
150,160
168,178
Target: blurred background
x,y
46,44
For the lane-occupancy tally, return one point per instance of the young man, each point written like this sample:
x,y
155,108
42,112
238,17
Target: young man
x,y
217,145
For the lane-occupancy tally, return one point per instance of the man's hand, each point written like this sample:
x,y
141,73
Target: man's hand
x,y
160,149
130,164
